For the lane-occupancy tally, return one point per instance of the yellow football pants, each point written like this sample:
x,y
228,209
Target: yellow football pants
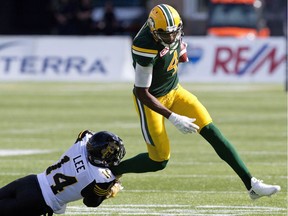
x,y
153,129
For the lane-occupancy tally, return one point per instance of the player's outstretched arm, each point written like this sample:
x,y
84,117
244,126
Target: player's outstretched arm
x,y
150,101
182,123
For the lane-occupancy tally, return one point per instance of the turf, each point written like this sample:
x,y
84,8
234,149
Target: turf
x,y
48,116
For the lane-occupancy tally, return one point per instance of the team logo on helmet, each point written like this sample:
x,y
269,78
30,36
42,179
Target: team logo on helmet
x,y
105,149
151,23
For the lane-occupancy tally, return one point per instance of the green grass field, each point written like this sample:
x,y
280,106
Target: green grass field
x,y
47,117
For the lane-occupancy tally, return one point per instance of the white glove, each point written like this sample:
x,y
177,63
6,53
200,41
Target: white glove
x,y
183,123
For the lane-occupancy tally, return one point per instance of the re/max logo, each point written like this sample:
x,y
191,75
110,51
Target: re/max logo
x,y
241,61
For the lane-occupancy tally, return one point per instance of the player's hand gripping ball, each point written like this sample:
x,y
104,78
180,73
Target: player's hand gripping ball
x,y
183,53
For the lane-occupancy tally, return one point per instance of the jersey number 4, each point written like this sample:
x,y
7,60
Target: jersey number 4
x,y
174,63
62,181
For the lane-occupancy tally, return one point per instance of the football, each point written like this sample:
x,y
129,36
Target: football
x,y
183,53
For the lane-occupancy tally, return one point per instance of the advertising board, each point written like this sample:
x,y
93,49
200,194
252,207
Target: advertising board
x,y
65,58
108,59
232,60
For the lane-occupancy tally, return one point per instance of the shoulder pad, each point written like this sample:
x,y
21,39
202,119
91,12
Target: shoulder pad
x,y
82,134
144,44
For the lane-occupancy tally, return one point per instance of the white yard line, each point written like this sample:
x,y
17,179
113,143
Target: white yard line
x,y
165,176
221,163
16,152
171,210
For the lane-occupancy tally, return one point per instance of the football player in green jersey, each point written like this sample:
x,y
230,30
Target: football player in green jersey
x,y
156,52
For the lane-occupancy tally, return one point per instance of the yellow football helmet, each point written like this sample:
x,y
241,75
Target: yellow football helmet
x,y
165,24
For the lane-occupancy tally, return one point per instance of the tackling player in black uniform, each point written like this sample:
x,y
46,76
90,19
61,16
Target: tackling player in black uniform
x,y
82,172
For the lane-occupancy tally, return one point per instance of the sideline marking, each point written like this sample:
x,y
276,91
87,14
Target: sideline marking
x,y
16,152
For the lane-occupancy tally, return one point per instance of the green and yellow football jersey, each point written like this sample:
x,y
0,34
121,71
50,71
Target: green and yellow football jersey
x,y
147,51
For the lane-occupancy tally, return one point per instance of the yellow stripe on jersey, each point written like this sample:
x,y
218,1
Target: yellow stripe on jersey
x,y
99,191
144,52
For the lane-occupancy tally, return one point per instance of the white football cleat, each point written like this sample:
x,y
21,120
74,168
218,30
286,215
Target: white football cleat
x,y
260,189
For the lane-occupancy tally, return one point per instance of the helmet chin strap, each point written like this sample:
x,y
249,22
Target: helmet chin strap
x,y
172,45
96,162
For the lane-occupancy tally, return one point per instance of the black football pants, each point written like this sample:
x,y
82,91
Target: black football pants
x,y
23,197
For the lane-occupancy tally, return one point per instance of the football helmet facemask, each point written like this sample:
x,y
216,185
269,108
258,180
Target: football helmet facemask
x,y
165,24
105,149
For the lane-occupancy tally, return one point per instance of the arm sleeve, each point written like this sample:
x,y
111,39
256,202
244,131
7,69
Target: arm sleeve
x,y
93,201
143,75
95,193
